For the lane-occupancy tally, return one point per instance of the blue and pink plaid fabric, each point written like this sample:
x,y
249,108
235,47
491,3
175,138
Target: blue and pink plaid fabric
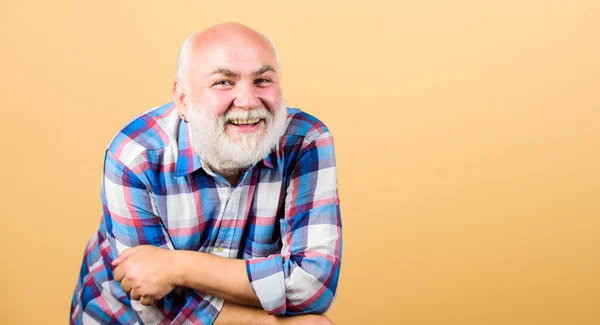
x,y
283,218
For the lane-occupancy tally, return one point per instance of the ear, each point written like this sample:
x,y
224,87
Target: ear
x,y
179,97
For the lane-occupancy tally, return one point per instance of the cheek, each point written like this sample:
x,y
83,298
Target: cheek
x,y
271,97
218,101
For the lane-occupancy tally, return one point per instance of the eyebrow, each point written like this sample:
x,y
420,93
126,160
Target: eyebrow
x,y
225,72
265,68
230,74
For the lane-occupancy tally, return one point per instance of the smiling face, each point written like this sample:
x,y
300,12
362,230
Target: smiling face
x,y
230,92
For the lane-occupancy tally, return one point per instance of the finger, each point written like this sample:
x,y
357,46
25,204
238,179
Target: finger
x,y
119,273
125,254
126,286
146,301
134,295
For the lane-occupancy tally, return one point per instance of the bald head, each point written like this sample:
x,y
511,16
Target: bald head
x,y
222,37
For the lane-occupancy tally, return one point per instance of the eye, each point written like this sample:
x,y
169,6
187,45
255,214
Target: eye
x,y
262,82
223,83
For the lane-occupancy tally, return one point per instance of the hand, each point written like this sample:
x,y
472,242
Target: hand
x,y
145,272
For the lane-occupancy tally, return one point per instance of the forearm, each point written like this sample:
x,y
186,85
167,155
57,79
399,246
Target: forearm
x,y
217,276
232,314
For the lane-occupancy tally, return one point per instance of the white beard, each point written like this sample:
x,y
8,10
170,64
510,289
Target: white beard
x,y
230,153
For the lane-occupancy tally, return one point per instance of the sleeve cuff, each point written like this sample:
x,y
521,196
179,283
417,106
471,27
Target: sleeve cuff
x,y
268,282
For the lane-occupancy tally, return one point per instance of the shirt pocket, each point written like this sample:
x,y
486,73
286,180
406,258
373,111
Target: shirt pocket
x,y
253,249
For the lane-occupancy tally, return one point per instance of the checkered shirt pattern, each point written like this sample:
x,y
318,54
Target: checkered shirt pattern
x,y
283,218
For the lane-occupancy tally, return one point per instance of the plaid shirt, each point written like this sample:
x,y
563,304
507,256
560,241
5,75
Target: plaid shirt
x,y
283,218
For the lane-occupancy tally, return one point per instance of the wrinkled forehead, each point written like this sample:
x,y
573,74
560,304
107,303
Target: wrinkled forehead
x,y
238,54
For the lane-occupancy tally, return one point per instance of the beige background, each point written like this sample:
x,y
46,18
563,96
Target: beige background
x,y
467,137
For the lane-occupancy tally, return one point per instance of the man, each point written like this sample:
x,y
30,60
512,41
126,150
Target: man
x,y
220,207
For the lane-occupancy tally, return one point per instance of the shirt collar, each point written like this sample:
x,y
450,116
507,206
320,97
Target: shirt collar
x,y
270,160
188,161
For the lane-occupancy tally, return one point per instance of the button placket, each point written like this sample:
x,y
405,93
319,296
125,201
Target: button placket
x,y
232,213
222,233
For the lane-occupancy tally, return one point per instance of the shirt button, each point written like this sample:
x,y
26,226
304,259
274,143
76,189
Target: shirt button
x,y
220,248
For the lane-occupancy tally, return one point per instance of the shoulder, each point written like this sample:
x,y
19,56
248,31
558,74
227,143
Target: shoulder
x,y
305,125
154,129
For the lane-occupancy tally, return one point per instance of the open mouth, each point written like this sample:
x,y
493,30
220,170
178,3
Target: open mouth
x,y
246,126
250,122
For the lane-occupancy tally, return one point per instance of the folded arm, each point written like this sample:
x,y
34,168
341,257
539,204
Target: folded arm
x,y
303,278
233,314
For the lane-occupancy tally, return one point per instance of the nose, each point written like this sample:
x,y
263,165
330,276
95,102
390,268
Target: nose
x,y
246,97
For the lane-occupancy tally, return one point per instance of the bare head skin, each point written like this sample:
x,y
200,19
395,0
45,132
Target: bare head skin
x,y
221,31
228,87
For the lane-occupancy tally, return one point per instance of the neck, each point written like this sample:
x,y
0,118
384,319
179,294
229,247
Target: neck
x,y
233,177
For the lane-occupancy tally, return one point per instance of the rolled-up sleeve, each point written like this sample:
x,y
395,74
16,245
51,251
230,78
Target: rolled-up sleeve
x,y
303,278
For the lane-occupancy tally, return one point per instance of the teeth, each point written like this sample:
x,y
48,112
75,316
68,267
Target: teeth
x,y
235,121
